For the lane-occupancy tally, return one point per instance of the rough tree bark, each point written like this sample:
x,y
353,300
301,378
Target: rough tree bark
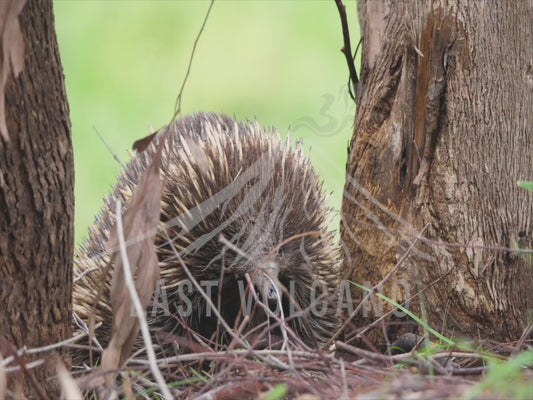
x,y
443,132
36,198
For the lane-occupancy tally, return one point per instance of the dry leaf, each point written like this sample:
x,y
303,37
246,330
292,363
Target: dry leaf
x,y
140,224
141,144
69,387
307,396
12,54
129,394
3,379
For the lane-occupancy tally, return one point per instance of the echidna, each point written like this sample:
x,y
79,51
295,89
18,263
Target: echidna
x,y
249,187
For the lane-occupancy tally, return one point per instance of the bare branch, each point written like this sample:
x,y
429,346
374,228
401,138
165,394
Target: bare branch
x,y
347,50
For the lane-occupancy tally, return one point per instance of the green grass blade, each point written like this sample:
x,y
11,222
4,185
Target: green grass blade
x,y
413,316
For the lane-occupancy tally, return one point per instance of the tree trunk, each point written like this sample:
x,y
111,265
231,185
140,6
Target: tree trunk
x,y
36,199
442,134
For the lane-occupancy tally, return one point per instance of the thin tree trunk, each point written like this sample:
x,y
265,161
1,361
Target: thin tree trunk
x,y
36,198
443,132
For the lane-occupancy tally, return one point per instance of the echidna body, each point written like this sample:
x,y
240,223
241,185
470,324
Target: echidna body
x,y
226,179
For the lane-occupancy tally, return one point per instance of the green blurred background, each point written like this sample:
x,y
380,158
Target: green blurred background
x,y
278,61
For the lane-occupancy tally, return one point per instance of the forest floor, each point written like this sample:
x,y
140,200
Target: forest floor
x,y
489,371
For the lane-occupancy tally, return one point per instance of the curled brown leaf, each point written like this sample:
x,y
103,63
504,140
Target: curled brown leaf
x,y
142,144
12,53
140,223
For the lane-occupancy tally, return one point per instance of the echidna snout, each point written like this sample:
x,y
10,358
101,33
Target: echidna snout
x,y
268,284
